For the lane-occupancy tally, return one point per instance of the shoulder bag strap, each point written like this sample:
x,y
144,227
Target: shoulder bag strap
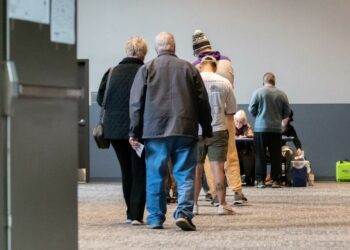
x,y
102,113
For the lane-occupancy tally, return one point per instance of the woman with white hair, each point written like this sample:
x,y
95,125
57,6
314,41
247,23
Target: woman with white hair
x,y
245,150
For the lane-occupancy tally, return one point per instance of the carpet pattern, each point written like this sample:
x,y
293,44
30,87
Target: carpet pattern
x,y
315,217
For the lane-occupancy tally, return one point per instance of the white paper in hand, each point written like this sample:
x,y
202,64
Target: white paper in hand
x,y
139,149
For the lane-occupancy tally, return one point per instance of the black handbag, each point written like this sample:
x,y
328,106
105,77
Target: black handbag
x,y
97,132
100,140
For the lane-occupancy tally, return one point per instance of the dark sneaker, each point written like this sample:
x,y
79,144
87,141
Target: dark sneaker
x,y
185,223
174,198
155,226
260,184
168,198
239,198
276,184
243,180
215,201
208,197
288,183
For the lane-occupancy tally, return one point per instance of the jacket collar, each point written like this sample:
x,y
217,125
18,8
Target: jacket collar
x,y
166,52
132,60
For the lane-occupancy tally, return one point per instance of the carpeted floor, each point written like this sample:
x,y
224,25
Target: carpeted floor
x,y
315,217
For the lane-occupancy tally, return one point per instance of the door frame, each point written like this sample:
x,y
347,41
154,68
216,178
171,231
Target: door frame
x,y
83,82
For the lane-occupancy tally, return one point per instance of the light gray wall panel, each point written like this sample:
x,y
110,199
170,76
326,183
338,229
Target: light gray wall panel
x,y
305,42
103,162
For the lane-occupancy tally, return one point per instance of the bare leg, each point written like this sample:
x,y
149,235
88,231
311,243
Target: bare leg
x,y
209,175
217,168
198,182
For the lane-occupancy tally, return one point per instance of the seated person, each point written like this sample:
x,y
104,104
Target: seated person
x,y
245,150
288,154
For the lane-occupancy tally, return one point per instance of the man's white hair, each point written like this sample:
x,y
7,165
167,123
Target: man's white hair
x,y
164,41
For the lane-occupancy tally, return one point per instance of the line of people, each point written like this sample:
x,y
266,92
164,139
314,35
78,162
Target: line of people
x,y
163,104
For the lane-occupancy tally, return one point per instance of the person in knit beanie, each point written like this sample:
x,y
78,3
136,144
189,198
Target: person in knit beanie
x,y
202,48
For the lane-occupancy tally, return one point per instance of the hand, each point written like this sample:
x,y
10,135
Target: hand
x,y
207,140
134,143
299,152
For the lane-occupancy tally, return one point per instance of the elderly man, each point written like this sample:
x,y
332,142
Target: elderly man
x,y
168,100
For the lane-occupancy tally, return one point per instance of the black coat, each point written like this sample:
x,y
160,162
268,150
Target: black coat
x,y
117,121
290,132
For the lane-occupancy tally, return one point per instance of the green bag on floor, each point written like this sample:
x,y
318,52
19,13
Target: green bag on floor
x,y
343,170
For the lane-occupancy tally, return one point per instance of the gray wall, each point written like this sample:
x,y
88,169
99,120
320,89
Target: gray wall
x,y
323,131
103,162
304,42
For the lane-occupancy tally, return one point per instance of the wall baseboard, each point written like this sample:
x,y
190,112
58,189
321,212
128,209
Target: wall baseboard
x,y
106,179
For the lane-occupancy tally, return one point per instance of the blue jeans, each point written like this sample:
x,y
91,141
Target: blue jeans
x,y
183,152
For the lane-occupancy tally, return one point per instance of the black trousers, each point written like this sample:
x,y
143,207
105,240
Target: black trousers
x,y
287,158
272,142
133,170
247,165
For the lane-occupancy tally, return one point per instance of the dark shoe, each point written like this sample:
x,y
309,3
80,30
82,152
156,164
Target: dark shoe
x,y
260,184
276,184
185,223
288,183
155,226
215,201
174,198
168,198
239,198
208,197
243,180
249,181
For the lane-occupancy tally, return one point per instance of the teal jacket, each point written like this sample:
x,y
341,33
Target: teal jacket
x,y
269,106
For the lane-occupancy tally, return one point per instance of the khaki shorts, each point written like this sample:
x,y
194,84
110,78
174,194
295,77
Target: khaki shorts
x,y
217,150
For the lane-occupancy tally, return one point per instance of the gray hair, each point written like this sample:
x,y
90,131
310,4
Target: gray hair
x,y
136,47
165,41
241,116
